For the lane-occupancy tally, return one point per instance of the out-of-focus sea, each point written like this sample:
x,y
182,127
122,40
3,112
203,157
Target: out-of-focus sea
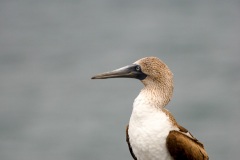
x,y
50,108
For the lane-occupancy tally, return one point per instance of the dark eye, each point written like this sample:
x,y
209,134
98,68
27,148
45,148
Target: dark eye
x,y
138,68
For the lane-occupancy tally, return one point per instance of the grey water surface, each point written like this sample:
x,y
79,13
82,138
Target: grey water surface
x,y
50,108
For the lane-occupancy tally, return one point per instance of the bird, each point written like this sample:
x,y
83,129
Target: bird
x,y
152,132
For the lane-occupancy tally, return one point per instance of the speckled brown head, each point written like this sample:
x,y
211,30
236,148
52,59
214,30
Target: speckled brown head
x,y
156,70
159,79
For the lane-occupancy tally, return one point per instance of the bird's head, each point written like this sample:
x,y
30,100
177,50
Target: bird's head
x,y
151,71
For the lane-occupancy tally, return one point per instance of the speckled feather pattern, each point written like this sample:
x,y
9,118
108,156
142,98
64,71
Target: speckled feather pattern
x,y
159,79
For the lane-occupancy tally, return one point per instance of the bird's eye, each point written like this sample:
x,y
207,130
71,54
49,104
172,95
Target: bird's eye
x,y
138,68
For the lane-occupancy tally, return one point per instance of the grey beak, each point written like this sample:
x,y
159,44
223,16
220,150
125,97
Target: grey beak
x,y
130,71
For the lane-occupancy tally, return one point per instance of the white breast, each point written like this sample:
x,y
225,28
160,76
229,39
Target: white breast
x,y
148,130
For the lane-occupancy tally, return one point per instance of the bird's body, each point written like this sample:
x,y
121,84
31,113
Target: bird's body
x,y
153,133
148,131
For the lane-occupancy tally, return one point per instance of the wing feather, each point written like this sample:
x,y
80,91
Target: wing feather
x,y
181,147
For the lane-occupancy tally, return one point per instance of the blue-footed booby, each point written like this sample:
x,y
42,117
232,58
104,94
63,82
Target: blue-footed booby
x,y
152,132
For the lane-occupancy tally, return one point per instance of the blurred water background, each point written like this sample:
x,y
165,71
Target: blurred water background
x,y
51,110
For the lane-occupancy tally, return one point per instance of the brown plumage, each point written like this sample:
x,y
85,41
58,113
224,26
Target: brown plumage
x,y
182,147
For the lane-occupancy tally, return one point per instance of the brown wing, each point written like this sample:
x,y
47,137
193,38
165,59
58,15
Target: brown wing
x,y
129,145
182,147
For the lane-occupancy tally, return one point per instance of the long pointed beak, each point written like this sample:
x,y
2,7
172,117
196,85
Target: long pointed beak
x,y
129,71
